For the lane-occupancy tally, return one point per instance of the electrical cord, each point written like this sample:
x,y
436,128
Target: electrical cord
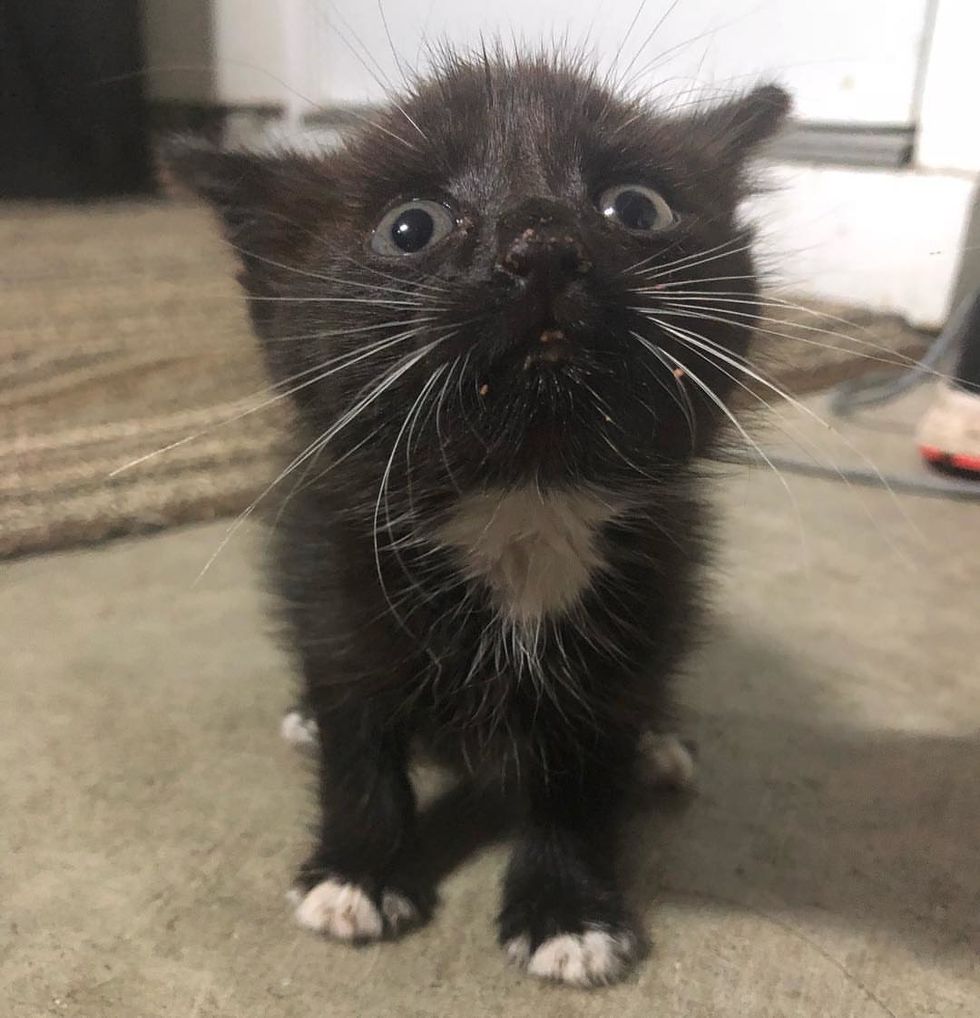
x,y
876,390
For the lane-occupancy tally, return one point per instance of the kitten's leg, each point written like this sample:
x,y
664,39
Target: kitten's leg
x,y
351,888
563,917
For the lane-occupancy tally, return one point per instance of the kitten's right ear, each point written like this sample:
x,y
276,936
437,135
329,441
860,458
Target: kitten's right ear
x,y
741,125
269,203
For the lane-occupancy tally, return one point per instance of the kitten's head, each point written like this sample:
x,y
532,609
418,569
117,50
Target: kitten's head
x,y
498,279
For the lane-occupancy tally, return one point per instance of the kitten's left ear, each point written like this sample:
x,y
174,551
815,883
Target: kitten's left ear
x,y
743,124
268,203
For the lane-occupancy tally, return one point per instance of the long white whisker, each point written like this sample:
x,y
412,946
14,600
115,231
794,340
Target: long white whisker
x,y
382,497
698,260
362,355
711,349
317,444
669,287
397,279
384,82
320,277
380,302
679,261
686,407
720,404
701,342
709,313
621,76
299,337
442,443
768,297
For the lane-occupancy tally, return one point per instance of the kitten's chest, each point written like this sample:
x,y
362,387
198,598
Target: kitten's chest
x,y
537,553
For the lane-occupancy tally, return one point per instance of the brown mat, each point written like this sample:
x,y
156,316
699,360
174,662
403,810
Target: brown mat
x,y
122,331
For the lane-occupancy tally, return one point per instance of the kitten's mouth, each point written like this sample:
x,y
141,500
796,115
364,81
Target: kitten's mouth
x,y
552,347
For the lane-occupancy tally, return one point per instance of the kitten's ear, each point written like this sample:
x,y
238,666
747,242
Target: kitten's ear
x,y
743,124
269,203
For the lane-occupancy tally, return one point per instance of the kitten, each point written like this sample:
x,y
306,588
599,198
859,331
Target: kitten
x,y
492,544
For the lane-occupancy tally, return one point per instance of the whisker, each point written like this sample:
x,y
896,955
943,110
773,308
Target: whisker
x,y
383,497
380,302
362,355
686,407
700,342
679,261
383,82
713,350
646,42
320,277
702,258
668,287
442,443
390,378
767,298
720,404
347,332
388,275
707,313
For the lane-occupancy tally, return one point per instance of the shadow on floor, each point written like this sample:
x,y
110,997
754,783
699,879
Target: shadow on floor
x,y
876,828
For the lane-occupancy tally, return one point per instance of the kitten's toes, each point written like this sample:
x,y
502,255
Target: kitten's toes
x,y
339,910
593,957
666,761
345,911
298,728
400,912
568,937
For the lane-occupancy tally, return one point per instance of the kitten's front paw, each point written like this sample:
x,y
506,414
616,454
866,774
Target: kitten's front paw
x,y
585,942
345,911
593,957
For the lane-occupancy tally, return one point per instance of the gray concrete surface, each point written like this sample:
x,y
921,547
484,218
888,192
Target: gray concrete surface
x,y
829,866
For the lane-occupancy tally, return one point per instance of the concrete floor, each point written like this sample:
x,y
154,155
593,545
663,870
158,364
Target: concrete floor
x,y
829,867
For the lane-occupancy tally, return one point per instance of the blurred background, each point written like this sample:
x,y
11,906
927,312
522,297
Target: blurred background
x,y
150,815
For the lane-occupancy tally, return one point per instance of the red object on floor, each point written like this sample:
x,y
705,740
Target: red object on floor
x,y
946,459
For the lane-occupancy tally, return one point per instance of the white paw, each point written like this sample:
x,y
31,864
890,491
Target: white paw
x,y
579,959
398,911
343,911
299,729
666,762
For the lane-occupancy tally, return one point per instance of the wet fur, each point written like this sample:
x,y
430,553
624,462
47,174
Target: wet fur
x,y
427,601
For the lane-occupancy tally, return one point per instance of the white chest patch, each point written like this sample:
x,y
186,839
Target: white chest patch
x,y
536,551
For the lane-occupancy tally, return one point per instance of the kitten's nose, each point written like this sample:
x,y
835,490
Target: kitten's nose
x,y
540,239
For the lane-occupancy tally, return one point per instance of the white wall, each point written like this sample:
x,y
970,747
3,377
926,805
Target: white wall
x,y
949,136
844,60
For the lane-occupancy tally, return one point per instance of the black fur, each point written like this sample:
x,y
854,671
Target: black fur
x,y
397,645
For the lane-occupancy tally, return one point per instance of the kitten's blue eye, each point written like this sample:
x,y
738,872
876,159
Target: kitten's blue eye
x,y
412,227
637,208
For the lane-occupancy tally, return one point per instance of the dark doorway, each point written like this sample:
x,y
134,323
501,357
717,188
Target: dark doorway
x,y
73,120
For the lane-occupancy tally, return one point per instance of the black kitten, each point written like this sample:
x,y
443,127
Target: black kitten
x,y
491,546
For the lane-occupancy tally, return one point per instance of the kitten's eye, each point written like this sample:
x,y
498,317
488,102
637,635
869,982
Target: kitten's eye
x,y
637,208
412,227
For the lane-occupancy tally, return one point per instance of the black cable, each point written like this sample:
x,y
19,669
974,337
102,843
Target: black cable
x,y
876,390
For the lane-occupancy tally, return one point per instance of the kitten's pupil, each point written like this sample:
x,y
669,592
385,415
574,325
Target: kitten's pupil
x,y
635,210
412,230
